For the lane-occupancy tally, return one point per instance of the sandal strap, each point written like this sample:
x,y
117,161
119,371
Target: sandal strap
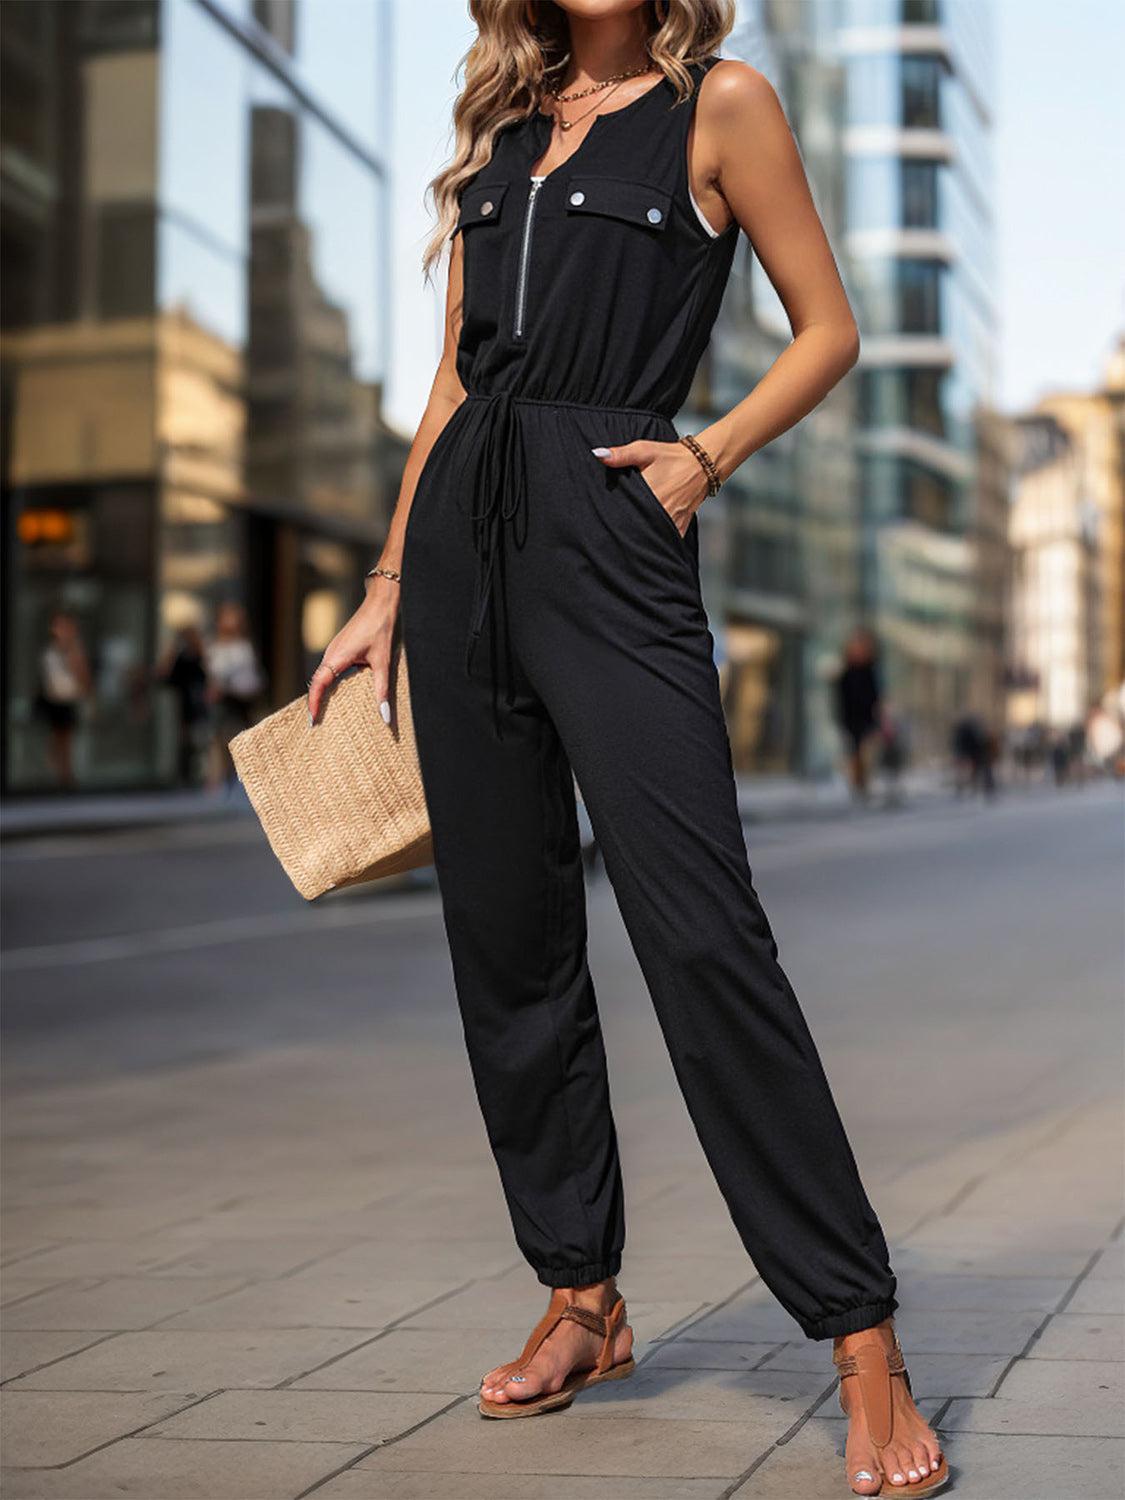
x,y
846,1363
582,1315
874,1365
559,1310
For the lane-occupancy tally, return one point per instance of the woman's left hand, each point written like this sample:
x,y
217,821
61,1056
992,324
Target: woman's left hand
x,y
671,472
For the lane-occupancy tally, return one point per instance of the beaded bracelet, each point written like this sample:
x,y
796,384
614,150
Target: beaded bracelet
x,y
707,463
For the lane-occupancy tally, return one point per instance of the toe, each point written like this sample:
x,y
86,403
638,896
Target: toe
x,y
921,1460
863,1479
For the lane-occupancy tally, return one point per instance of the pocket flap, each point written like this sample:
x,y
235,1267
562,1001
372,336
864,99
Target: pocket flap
x,y
619,198
480,203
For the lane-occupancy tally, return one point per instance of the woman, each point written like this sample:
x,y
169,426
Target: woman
x,y
65,681
546,548
234,684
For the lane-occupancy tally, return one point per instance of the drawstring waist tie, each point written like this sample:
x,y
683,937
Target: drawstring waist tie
x,y
500,505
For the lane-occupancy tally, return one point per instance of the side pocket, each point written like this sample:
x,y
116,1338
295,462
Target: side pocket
x,y
654,503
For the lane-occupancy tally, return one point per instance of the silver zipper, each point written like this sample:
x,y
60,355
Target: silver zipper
x,y
525,250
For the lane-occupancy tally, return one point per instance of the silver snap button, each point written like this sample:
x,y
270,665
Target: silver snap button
x,y
654,216
487,206
577,198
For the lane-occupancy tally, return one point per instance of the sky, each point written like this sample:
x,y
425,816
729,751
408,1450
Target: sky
x,y
1059,143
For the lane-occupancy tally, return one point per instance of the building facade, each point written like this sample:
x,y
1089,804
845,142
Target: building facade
x,y
193,347
886,506
1067,536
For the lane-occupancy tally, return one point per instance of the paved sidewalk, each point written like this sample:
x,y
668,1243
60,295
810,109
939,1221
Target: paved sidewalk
x,y
251,1324
280,1271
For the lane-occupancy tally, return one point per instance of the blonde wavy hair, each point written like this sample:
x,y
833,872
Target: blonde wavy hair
x,y
521,47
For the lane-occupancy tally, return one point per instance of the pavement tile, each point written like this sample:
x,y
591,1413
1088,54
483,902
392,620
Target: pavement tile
x,y
707,1395
1042,1229
301,1416
414,1359
989,1467
983,1331
19,1288
158,1361
111,1258
21,1352
458,1261
944,1293
688,1353
1110,1263
246,1259
43,1428
151,1470
18,1248
809,1467
1082,1336
923,1259
65,1222
315,1302
711,1278
121,1302
387,1484
1105,1296
930,1374
461,1443
1082,1398
747,1320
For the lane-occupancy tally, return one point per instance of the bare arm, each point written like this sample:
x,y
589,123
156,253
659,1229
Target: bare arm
x,y
747,149
366,638
746,166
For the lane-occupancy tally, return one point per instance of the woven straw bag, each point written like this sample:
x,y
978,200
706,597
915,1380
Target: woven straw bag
x,y
340,801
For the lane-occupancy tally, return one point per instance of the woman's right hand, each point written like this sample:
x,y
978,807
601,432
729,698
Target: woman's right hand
x,y
364,641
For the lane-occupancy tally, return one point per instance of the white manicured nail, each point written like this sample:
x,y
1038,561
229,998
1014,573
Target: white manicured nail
x,y
310,718
385,710
601,452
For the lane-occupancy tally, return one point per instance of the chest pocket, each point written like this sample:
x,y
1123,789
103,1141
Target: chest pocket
x,y
482,205
622,198
485,206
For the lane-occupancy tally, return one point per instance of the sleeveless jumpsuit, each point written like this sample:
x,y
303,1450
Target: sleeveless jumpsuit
x,y
552,623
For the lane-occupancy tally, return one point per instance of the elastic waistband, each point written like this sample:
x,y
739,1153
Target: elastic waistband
x,y
593,406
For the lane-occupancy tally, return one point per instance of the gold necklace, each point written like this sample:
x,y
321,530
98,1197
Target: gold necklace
x,y
605,83
565,125
616,82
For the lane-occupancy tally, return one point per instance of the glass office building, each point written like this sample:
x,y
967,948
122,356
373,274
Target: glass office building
x,y
886,505
193,346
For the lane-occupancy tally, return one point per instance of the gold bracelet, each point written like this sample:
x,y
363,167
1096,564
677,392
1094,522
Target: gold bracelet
x,y
383,573
707,463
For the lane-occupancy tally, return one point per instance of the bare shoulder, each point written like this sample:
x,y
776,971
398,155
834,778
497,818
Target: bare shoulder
x,y
734,95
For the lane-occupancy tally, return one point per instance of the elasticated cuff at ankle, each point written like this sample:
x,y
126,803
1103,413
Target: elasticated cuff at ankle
x,y
836,1325
599,1270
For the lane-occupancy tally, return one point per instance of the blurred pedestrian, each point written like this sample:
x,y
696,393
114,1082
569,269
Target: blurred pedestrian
x,y
974,755
1060,757
184,670
65,680
857,706
894,751
235,682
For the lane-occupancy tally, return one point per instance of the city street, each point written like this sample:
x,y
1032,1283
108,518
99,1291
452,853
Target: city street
x,y
255,1246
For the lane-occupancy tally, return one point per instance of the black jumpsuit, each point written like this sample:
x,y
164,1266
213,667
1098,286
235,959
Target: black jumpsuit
x,y
552,620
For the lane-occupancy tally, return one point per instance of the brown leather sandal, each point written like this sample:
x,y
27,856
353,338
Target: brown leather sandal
x,y
558,1310
873,1365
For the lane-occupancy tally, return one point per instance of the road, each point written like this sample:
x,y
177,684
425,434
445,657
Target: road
x,y
255,1244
